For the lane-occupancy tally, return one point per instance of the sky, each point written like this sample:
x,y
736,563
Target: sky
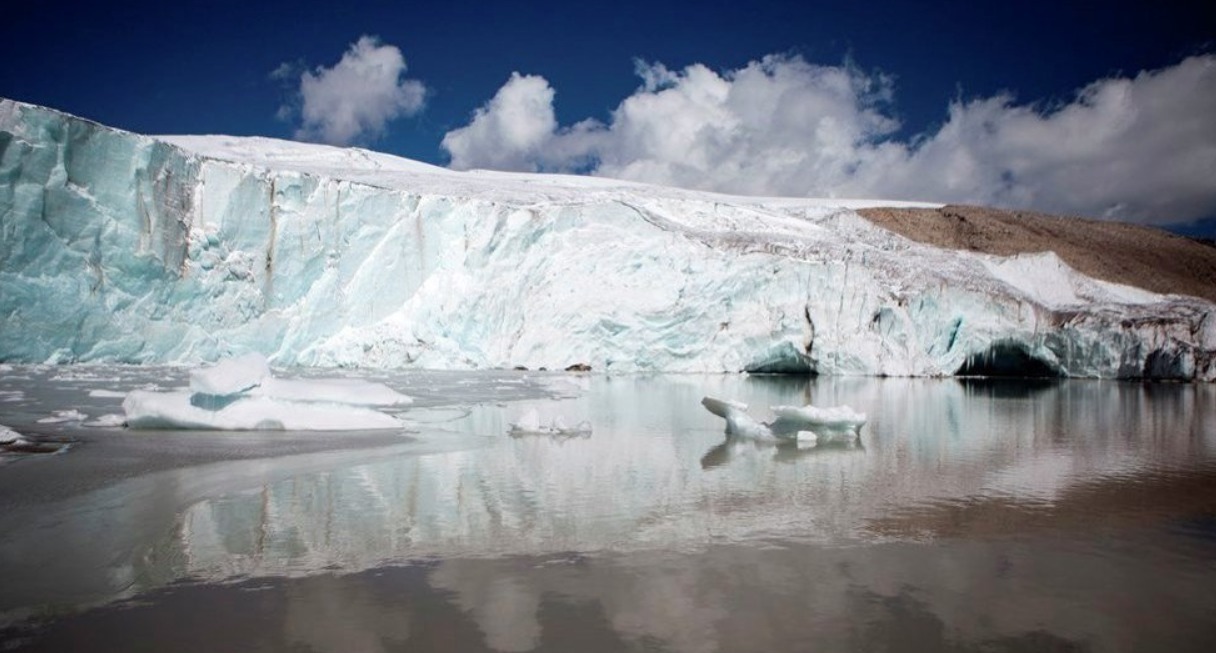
x,y
1099,109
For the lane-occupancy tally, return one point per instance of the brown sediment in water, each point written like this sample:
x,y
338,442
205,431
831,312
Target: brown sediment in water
x,y
30,447
1115,501
43,445
1129,254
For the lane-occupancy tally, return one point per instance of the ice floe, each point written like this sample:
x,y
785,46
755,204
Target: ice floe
x,y
242,394
13,445
230,376
61,416
529,423
807,425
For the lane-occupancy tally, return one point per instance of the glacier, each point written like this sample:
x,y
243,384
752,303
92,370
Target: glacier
x,y
119,247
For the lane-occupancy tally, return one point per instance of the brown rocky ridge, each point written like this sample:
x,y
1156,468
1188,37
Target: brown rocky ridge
x,y
1119,252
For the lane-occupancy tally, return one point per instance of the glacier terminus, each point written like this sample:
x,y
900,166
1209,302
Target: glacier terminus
x,y
118,247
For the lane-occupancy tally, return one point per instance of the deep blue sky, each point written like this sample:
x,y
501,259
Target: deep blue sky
x,y
203,67
195,67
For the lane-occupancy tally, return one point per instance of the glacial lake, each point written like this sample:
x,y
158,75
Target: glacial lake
x,y
970,515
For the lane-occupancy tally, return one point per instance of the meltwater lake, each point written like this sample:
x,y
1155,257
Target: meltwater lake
x,y
970,515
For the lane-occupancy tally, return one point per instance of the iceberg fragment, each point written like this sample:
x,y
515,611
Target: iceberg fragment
x,y
9,436
110,420
230,376
241,394
811,418
13,445
738,422
176,410
806,438
354,392
61,416
807,425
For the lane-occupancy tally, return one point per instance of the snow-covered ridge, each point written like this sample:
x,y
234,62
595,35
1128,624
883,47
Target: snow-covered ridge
x,y
386,171
120,247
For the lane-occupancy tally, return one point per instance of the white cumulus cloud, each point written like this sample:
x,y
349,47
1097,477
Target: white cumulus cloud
x,y
510,131
355,99
517,130
1137,148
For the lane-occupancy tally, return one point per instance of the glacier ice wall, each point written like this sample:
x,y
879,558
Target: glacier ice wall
x,y
121,247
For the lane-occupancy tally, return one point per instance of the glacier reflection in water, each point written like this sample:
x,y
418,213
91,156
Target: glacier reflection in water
x,y
1001,515
657,473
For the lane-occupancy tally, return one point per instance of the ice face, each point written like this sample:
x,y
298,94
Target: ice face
x,y
120,247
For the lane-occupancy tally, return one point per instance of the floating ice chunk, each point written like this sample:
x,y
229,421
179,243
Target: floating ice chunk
x,y
837,418
354,392
81,374
178,410
230,376
240,394
738,422
13,445
529,424
61,416
803,424
107,394
9,436
107,421
723,408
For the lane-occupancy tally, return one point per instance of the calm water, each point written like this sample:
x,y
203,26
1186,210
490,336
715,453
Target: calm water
x,y
973,516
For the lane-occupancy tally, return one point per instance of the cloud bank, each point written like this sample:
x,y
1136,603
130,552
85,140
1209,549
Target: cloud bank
x,y
353,101
509,132
1139,148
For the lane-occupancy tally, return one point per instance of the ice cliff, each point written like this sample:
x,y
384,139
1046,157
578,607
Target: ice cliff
x,y
121,247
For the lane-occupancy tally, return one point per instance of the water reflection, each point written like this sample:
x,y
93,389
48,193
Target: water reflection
x,y
969,514
327,615
933,452
781,451
981,595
